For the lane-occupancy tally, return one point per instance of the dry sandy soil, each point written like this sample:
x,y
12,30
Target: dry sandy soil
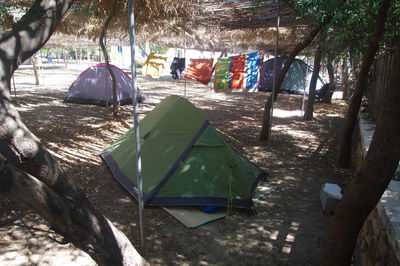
x,y
289,229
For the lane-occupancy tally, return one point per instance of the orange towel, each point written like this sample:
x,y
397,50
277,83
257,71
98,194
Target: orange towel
x,y
200,70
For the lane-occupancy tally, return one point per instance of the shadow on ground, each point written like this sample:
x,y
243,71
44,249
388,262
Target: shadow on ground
x,y
289,228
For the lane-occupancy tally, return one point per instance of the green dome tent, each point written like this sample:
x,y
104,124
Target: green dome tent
x,y
185,161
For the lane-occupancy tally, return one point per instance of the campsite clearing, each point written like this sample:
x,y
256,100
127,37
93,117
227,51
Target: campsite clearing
x,y
289,229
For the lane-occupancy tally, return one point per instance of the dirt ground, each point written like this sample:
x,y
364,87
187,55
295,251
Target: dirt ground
x,y
289,228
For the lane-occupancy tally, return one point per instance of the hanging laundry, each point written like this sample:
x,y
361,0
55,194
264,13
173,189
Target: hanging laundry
x,y
177,67
200,70
154,65
238,73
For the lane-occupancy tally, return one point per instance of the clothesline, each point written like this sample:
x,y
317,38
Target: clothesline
x,y
239,73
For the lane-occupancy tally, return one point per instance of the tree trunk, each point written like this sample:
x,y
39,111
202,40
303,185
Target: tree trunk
x,y
371,180
35,71
88,54
17,144
327,98
309,112
79,224
264,135
33,176
106,59
65,57
345,80
361,84
331,71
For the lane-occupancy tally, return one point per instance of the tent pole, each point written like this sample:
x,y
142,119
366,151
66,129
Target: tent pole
x,y
139,179
184,55
275,62
304,92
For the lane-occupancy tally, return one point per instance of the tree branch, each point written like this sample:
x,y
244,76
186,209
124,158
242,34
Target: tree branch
x,y
264,135
17,143
78,223
31,32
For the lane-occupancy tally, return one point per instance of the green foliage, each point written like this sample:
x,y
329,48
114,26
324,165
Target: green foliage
x,y
14,13
159,49
139,64
393,24
317,9
352,25
86,9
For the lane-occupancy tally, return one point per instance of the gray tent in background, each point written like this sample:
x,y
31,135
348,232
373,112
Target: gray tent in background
x,y
94,86
296,80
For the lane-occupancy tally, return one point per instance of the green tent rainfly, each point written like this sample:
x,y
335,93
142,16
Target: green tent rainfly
x,y
185,161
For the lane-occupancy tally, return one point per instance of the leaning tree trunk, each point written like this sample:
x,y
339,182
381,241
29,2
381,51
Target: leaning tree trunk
x,y
371,180
29,174
361,84
309,112
264,135
106,59
78,223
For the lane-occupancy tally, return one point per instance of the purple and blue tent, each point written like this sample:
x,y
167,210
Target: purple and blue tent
x,y
94,86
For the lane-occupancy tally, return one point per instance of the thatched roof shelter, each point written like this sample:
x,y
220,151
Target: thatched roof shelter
x,y
236,25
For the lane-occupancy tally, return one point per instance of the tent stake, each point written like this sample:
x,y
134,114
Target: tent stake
x,y
139,179
274,77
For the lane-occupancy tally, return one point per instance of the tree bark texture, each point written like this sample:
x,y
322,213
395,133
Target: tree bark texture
x,y
371,179
29,174
17,144
327,98
309,111
361,84
331,71
80,225
107,60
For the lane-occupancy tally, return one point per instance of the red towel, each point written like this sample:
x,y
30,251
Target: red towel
x,y
200,70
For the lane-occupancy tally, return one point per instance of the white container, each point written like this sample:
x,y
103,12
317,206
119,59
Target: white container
x,y
330,196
